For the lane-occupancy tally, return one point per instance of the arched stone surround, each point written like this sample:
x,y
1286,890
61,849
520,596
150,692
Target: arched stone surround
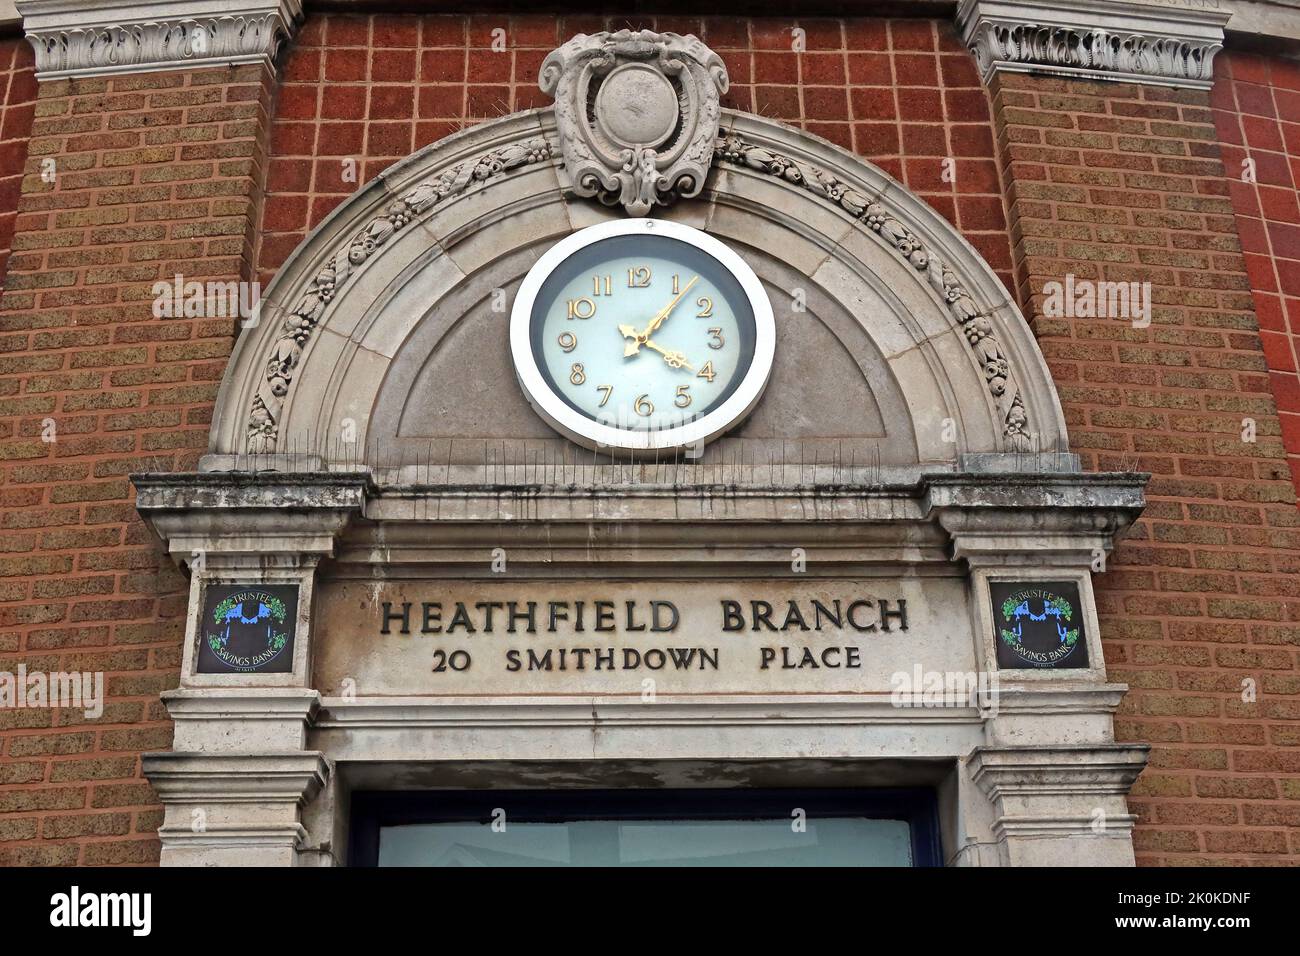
x,y
400,283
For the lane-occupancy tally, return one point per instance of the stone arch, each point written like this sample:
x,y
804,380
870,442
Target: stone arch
x,y
382,338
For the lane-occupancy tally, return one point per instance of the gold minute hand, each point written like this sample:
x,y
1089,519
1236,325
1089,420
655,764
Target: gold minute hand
x,y
663,313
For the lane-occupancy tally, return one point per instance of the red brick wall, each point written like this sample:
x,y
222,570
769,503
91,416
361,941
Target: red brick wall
x,y
160,174
902,93
17,103
156,175
1257,114
1119,182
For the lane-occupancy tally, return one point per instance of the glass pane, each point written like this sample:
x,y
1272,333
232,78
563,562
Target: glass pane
x,y
840,841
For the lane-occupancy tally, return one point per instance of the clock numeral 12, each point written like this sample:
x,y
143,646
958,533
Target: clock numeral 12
x,y
638,278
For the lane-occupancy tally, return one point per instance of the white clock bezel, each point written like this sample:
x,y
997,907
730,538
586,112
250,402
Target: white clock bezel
x,y
592,434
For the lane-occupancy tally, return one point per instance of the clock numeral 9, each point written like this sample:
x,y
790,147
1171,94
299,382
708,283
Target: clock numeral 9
x,y
568,341
683,392
718,341
582,308
638,278
643,406
706,307
577,374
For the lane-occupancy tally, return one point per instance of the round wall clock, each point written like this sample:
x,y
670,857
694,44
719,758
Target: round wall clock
x,y
642,334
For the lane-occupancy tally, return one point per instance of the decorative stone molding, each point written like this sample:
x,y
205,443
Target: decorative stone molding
x,y
299,325
234,809
785,194
1096,39
873,213
78,38
1061,805
637,114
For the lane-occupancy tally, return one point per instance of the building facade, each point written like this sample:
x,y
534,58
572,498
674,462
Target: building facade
x,y
422,429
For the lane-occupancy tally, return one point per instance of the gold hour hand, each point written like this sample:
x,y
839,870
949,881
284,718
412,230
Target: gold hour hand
x,y
634,346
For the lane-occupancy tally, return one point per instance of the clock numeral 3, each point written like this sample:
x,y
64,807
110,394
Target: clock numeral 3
x,y
577,374
567,340
718,341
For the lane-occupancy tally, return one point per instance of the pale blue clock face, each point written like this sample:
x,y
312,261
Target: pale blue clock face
x,y
642,332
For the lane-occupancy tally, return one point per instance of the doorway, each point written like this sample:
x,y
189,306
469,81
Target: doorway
x,y
646,828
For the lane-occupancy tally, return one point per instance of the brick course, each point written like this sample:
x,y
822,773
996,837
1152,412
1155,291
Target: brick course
x,y
156,175
1119,182
17,104
372,89
1256,102
161,173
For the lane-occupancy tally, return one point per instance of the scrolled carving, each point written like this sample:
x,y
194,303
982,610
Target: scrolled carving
x,y
298,326
874,214
637,113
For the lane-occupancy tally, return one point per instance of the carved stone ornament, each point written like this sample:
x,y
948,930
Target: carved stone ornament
x,y
78,38
872,213
637,114
1095,39
298,327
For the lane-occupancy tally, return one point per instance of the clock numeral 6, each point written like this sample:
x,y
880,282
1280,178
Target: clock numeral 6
x,y
568,341
643,406
683,392
582,308
577,374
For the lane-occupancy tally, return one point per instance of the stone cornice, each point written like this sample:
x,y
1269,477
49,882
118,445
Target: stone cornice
x,y
1137,42
80,38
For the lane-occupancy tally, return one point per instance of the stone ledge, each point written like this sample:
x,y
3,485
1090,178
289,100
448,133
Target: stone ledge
x,y
1095,39
80,38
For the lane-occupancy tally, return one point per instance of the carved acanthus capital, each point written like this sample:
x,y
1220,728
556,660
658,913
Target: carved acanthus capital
x,y
637,114
75,38
1170,44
